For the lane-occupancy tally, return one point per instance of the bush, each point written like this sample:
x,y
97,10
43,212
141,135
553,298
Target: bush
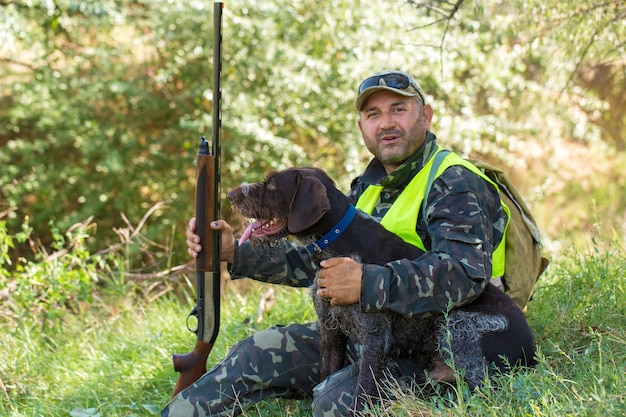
x,y
51,283
45,285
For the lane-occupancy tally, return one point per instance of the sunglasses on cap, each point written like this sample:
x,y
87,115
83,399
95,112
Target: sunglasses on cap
x,y
394,80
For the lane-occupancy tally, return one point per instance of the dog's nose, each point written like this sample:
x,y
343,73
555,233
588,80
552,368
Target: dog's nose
x,y
240,193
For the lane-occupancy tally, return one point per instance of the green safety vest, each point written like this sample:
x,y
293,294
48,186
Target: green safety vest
x,y
401,217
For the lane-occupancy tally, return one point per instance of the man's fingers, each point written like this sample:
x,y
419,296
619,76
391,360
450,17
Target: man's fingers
x,y
324,293
339,280
327,263
220,225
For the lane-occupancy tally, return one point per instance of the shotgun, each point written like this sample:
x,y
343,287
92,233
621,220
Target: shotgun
x,y
192,366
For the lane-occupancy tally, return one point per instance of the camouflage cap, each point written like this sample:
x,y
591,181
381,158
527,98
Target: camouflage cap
x,y
397,81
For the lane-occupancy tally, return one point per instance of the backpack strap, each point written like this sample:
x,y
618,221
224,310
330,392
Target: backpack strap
x,y
438,159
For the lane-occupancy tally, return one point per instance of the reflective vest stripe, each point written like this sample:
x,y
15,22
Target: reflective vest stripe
x,y
401,217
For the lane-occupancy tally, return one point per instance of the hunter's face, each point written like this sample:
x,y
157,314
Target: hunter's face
x,y
393,127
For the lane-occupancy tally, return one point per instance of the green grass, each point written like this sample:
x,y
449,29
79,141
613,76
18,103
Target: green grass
x,y
112,356
115,358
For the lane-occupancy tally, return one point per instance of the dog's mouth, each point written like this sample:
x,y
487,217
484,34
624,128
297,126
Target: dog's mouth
x,y
262,228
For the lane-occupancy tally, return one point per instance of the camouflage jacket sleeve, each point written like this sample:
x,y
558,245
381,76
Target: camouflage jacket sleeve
x,y
282,263
465,219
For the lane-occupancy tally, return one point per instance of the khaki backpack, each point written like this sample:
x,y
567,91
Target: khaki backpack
x,y
524,262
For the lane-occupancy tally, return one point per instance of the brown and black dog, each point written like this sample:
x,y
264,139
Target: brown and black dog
x,y
489,334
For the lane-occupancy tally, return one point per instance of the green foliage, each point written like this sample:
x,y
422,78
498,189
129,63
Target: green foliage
x,y
46,287
6,244
106,117
103,102
579,318
84,124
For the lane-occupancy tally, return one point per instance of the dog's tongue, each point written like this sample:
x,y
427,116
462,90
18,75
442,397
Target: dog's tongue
x,y
261,228
246,233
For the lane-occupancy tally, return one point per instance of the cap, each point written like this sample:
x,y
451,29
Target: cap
x,y
397,81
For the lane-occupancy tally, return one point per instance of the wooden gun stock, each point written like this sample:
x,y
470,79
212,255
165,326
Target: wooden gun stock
x,y
191,366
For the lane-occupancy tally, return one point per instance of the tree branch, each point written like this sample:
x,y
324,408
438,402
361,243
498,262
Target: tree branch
x,y
446,9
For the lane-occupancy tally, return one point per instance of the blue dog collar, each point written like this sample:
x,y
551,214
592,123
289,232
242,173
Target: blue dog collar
x,y
334,233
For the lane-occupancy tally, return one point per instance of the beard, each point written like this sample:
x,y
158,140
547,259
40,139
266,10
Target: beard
x,y
407,143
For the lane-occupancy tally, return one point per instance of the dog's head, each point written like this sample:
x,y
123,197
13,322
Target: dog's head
x,y
286,202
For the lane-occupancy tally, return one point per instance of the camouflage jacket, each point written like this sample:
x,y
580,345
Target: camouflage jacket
x,y
466,222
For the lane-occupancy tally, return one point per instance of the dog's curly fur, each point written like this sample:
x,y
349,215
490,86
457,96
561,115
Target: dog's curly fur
x,y
489,333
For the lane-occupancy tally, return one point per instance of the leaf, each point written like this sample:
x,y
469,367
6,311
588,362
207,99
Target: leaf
x,y
152,409
85,412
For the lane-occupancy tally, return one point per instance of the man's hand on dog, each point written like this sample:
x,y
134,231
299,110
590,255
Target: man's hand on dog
x,y
340,280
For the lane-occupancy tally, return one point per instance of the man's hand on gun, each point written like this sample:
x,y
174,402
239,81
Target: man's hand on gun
x,y
227,243
340,277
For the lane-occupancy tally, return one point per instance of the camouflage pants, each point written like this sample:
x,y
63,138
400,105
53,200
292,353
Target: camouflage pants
x,y
282,361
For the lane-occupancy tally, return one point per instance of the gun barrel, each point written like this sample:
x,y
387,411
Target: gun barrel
x,y
192,366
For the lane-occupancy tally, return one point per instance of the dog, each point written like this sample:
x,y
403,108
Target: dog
x,y
488,334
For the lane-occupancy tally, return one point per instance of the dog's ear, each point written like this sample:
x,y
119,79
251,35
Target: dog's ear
x,y
309,204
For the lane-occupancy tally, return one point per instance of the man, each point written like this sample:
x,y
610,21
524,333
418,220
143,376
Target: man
x,y
466,221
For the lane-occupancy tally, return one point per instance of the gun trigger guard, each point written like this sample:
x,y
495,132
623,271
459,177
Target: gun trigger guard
x,y
194,313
